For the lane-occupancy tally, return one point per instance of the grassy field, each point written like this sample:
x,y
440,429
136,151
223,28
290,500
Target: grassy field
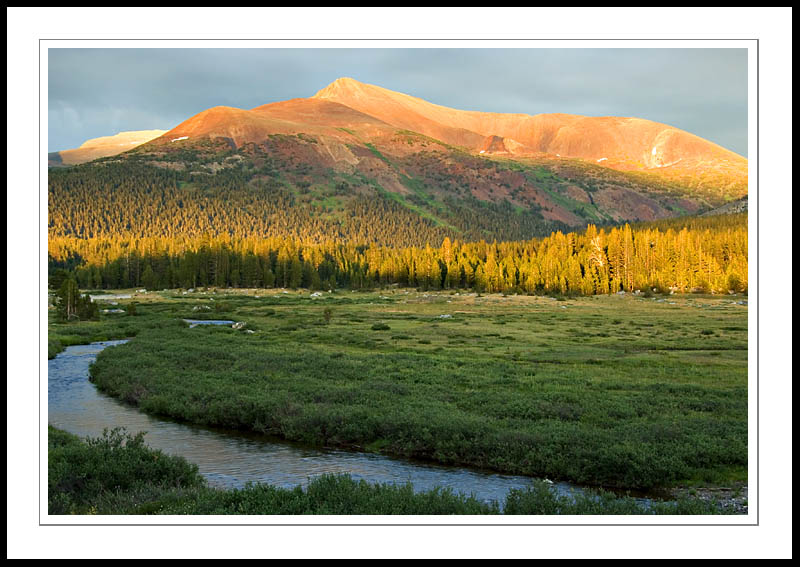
x,y
119,474
614,391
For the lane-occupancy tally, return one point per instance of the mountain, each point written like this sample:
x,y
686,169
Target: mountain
x,y
361,163
102,147
617,143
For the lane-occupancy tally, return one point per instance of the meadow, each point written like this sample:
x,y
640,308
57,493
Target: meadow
x,y
620,391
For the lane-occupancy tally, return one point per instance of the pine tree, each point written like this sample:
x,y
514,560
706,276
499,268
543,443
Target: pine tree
x,y
67,298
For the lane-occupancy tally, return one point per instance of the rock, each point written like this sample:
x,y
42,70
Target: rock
x,y
732,499
239,325
445,316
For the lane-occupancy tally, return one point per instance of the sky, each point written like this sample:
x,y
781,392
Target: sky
x,y
772,219
102,91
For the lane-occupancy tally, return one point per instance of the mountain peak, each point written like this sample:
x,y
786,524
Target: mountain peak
x,y
341,86
345,81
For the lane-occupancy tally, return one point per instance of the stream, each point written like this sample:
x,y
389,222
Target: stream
x,y
230,459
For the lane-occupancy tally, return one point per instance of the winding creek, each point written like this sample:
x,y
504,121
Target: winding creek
x,y
232,459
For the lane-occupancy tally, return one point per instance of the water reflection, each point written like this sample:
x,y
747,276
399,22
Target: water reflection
x,y
196,322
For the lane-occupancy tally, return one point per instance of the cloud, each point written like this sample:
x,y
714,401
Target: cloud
x,y
703,91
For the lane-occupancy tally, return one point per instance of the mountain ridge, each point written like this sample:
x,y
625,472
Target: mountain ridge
x,y
570,135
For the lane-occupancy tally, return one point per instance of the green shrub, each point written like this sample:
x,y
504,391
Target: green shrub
x,y
221,306
81,474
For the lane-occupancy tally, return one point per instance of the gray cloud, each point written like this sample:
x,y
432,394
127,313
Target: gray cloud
x,y
97,92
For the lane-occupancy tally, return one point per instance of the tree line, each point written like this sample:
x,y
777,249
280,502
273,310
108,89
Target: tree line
x,y
698,254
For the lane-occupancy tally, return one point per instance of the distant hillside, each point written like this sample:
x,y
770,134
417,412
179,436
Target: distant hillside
x,y
738,206
102,147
